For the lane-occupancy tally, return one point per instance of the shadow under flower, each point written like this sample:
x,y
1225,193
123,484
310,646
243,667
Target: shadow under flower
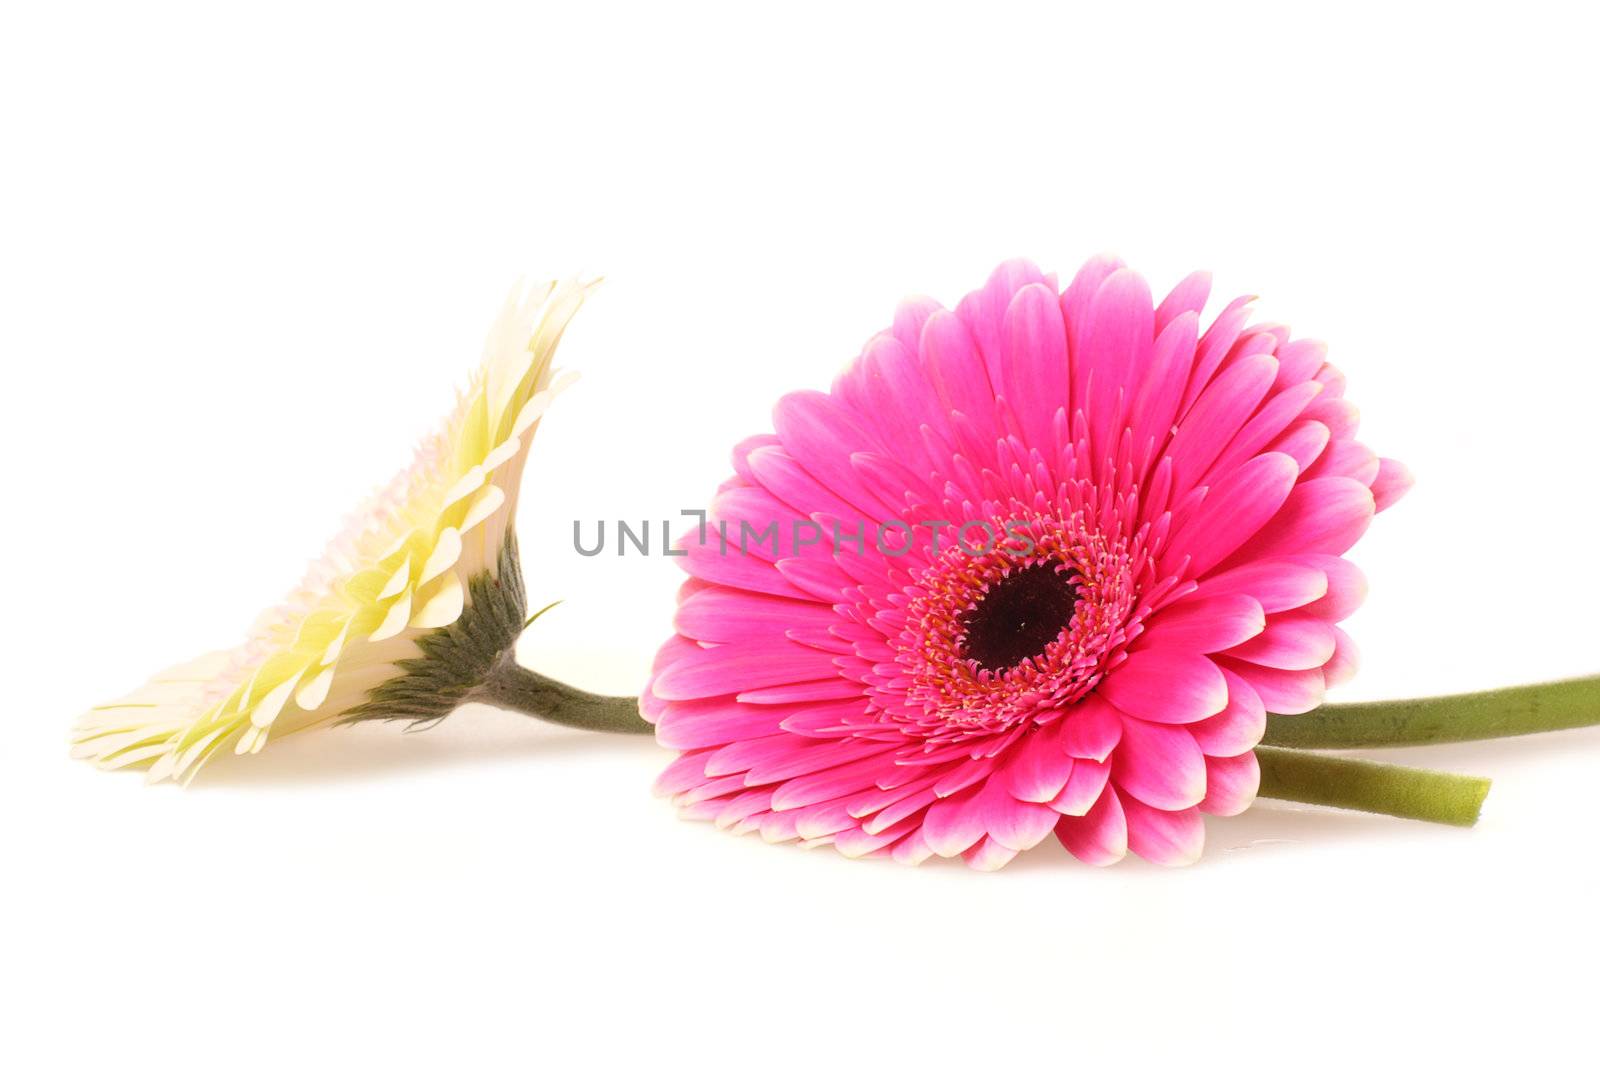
x,y
472,734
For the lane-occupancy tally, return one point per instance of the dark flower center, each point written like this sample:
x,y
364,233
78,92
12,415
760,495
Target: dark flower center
x,y
1019,616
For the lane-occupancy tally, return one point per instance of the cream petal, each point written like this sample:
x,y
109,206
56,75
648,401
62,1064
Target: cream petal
x,y
397,581
395,621
467,484
441,603
315,691
444,555
486,503
262,715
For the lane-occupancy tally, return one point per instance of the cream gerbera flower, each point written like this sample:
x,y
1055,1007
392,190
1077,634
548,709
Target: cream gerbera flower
x,y
408,610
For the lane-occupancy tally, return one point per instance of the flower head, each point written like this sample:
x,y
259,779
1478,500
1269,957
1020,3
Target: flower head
x,y
407,608
1041,563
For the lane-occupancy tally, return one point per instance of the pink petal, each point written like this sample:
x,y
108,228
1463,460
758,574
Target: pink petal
x,y
868,758
683,773
652,707
1231,783
958,372
1075,301
910,317
686,726
720,614
1091,730
1265,426
1100,837
900,810
1341,667
1347,588
1217,417
823,820
855,842
1205,624
816,430
1238,727
1166,686
965,773
781,475
911,849
1324,515
828,784
777,826
988,855
1237,506
1155,407
897,399
984,311
1159,764
1033,362
736,757
1293,641
1083,788
1214,345
1392,482
1303,442
722,563
1299,361
1013,823
1283,692
954,824
742,808
1276,584
821,578
1040,766
1188,295
747,665
742,452
1346,459
911,800
803,692
1336,413
711,789
758,524
1168,838
1116,344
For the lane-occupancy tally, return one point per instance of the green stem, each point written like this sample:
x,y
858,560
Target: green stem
x,y
512,686
1522,709
1362,785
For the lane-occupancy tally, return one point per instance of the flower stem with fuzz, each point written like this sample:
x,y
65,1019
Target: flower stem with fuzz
x,y
513,687
1362,785
1522,709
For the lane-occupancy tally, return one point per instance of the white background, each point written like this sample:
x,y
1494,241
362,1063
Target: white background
x,y
247,254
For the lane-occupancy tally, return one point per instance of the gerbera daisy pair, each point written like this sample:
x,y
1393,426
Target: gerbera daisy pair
x,y
1044,563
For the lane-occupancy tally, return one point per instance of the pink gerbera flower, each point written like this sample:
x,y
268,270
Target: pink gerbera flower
x,y
1043,563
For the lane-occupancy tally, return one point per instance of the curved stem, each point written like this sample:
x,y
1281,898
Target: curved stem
x,y
1362,785
1522,709
512,686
